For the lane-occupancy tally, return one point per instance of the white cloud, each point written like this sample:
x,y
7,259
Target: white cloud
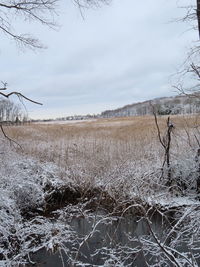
x,y
117,55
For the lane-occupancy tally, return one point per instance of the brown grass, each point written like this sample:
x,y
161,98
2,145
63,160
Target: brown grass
x,y
127,134
95,149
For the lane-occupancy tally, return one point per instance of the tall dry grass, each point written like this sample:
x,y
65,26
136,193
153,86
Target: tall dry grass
x,y
109,140
121,151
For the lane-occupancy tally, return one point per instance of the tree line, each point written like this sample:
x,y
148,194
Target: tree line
x,y
11,112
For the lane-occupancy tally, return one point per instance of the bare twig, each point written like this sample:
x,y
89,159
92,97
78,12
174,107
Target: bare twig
x,y
157,126
165,142
4,86
7,137
42,11
20,95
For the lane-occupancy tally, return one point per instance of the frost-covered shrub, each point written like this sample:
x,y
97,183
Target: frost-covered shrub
x,y
22,185
28,196
183,176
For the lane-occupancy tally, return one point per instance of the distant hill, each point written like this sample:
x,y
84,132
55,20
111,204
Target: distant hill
x,y
181,104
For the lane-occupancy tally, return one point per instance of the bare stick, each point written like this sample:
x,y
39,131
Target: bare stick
x,y
7,137
20,95
157,126
4,86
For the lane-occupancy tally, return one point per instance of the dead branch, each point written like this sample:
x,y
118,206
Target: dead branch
x,y
193,92
19,95
195,69
42,11
90,3
157,126
7,137
198,15
4,86
165,142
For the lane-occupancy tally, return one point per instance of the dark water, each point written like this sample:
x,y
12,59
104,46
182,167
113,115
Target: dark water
x,y
111,239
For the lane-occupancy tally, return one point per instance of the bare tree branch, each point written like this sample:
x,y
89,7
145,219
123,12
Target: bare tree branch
x,y
20,95
157,126
198,15
90,3
42,11
4,86
7,137
196,69
166,144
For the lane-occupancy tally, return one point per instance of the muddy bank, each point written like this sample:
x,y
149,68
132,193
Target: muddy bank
x,y
93,199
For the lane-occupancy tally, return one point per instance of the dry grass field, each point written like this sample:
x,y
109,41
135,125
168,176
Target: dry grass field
x,y
111,165
119,151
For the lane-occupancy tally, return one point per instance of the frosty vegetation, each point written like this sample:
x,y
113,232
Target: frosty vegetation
x,y
180,104
130,177
105,172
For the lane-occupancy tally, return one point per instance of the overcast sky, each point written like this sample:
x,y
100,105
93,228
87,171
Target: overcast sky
x,y
119,54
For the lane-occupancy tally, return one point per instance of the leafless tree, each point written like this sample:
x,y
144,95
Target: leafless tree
x,y
9,111
190,70
37,10
198,15
19,95
192,14
42,11
165,141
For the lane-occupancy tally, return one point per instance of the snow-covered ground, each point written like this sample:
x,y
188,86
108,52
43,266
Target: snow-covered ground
x,y
65,122
25,228
64,172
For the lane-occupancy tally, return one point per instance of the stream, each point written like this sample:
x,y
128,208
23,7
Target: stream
x,y
113,239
